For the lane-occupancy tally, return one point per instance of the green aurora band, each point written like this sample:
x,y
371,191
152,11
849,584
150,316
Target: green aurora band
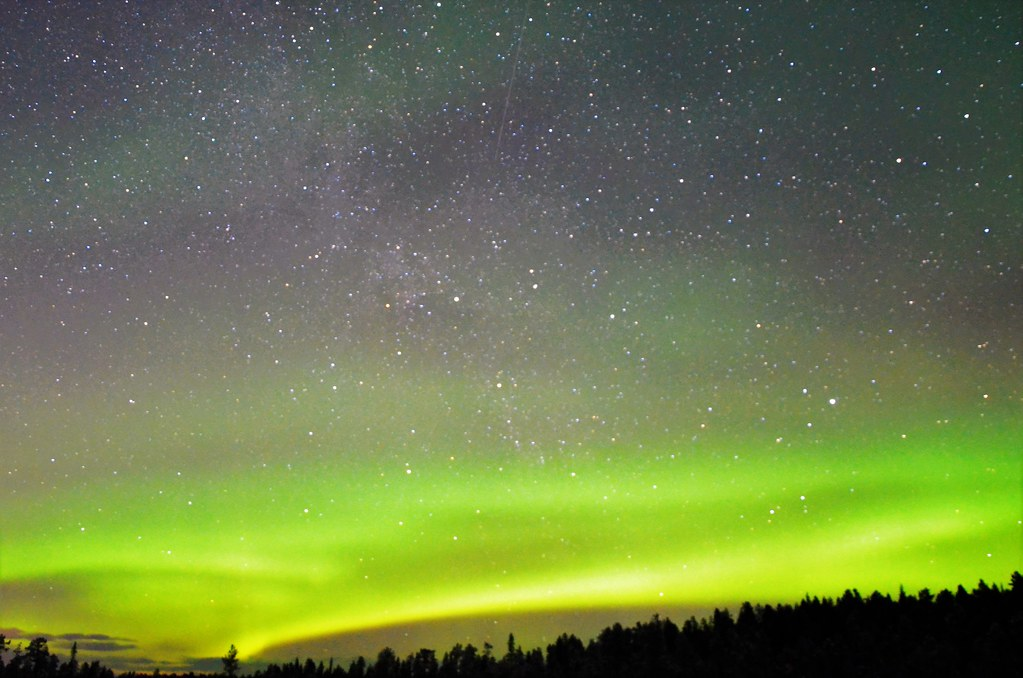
x,y
272,511
307,555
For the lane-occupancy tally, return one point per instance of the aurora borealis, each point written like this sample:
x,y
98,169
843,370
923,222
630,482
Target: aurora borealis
x,y
330,326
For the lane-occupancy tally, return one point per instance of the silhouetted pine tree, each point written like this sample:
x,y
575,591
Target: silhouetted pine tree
x,y
943,634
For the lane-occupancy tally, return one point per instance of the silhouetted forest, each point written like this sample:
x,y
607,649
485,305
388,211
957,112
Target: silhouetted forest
x,y
949,634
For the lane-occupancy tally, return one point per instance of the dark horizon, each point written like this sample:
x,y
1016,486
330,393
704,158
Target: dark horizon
x,y
993,609
976,630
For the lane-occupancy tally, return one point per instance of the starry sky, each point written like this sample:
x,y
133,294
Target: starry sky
x,y
331,326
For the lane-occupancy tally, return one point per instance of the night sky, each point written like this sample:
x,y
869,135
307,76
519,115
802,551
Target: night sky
x,y
396,323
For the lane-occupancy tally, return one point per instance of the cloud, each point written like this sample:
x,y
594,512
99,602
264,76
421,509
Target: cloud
x,y
88,636
87,642
205,664
105,646
16,634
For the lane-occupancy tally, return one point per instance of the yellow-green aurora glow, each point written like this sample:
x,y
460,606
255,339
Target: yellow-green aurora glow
x,y
272,526
294,354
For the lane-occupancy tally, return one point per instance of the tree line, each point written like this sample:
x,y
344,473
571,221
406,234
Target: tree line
x,y
959,633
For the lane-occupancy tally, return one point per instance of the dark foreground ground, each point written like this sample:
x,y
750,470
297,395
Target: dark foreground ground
x,y
961,633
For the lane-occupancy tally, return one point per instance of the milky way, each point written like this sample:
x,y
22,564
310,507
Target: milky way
x,y
322,324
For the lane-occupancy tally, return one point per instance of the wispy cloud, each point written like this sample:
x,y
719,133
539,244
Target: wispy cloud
x,y
87,642
205,664
89,636
105,646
